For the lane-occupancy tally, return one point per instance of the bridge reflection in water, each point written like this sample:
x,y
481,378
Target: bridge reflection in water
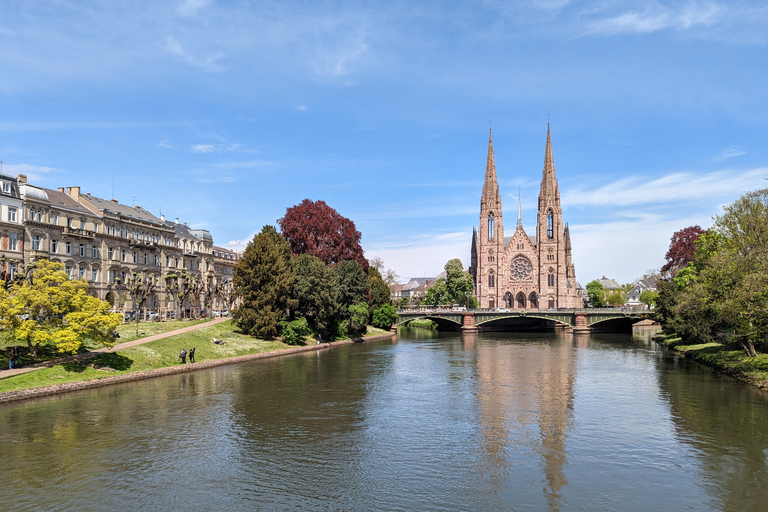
x,y
580,320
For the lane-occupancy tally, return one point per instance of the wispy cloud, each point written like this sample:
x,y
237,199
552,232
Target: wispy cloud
x,y
657,17
190,8
731,152
302,108
222,148
207,62
676,187
32,172
165,144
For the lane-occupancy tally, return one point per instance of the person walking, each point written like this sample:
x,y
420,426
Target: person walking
x,y
10,358
183,356
192,355
16,357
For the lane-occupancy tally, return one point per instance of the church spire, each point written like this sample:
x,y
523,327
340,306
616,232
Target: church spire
x,y
491,196
519,209
549,188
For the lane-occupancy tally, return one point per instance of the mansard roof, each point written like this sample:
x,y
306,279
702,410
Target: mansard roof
x,y
64,202
112,206
13,189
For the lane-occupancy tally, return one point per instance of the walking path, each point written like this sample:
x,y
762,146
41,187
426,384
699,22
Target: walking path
x,y
120,346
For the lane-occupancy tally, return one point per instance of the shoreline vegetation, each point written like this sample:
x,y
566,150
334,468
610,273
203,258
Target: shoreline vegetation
x,y
157,358
726,359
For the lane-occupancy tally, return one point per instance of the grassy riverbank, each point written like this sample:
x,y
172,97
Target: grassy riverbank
x,y
726,359
155,354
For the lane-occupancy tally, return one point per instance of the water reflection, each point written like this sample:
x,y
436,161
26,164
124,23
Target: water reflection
x,y
432,421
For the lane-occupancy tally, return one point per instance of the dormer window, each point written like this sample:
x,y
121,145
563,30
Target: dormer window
x,y
6,187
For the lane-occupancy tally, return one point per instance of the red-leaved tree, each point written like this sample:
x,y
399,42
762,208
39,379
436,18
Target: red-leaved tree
x,y
314,228
681,248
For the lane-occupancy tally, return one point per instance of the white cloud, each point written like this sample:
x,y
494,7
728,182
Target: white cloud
x,y
222,148
165,144
32,172
302,108
731,152
676,187
190,8
423,256
657,17
207,63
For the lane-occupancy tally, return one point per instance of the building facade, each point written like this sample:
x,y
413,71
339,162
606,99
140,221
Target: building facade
x,y
517,271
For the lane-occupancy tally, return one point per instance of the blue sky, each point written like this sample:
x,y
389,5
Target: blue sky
x,y
225,113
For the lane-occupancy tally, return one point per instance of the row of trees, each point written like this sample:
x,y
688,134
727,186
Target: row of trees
x,y
718,279
311,278
455,288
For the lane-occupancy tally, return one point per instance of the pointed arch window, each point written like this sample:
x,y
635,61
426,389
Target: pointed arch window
x,y
491,279
551,277
550,224
490,226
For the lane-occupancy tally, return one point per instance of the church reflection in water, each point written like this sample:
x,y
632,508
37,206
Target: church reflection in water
x,y
525,395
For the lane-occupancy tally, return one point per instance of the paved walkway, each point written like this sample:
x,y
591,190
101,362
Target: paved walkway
x,y
119,346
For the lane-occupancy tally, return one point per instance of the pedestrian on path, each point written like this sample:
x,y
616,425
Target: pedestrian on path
x,y
183,356
192,355
16,357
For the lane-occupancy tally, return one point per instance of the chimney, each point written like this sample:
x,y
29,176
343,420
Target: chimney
x,y
61,189
185,224
177,220
74,193
113,200
138,207
22,178
162,218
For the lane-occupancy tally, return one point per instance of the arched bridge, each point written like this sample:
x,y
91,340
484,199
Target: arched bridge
x,y
581,320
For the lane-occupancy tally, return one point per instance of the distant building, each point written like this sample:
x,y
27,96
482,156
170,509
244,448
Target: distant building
x,y
646,284
414,290
609,284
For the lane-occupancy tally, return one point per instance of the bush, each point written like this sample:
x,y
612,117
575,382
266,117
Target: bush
x,y
293,333
384,316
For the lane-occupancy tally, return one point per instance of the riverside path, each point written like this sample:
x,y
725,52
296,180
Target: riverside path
x,y
119,346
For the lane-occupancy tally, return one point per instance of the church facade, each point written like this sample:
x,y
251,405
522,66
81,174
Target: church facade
x,y
519,272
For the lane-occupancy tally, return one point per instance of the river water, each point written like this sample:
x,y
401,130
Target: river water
x,y
426,422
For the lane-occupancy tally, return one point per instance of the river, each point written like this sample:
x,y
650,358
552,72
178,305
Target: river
x,y
427,422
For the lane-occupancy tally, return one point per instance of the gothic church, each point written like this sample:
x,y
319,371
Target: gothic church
x,y
518,272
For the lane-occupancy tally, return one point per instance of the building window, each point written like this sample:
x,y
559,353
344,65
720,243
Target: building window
x,y
82,225
69,222
157,261
82,251
110,253
13,242
550,225
82,273
167,261
11,213
490,226
95,227
491,280
145,258
54,246
94,275
135,257
69,248
122,255
39,216
6,187
36,243
95,252
54,219
551,278
68,270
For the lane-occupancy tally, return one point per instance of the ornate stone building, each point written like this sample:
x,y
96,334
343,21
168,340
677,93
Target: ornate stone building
x,y
518,272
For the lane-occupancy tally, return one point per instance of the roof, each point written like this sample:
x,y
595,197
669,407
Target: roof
x,y
609,284
112,206
65,202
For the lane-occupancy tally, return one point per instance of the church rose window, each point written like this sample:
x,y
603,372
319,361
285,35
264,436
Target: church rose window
x,y
521,269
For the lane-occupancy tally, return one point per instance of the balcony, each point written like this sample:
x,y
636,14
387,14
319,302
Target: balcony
x,y
81,233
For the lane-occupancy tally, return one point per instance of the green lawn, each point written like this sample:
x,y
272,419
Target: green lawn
x,y
155,354
730,360
127,333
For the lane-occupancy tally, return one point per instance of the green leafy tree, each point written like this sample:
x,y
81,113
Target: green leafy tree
x,y
352,283
595,293
649,298
437,293
358,317
384,316
294,332
459,283
264,279
49,307
316,293
378,290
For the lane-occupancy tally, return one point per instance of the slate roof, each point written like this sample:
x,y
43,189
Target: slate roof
x,y
107,205
65,202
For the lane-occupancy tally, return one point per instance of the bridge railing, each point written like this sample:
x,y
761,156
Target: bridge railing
x,y
452,309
